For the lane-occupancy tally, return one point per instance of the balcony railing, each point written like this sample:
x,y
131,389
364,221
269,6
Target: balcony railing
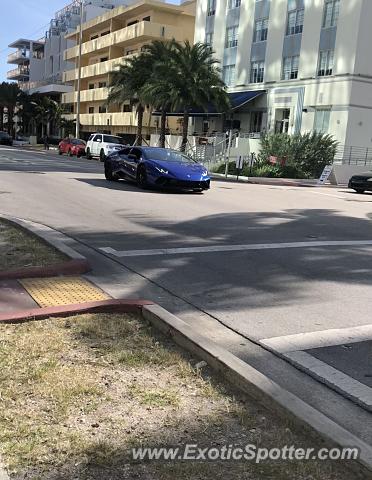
x,y
124,35
19,55
102,68
93,95
18,73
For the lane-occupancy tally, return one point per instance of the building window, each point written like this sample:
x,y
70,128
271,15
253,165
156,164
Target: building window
x,y
290,67
93,37
260,30
127,107
257,72
326,60
102,109
295,22
232,37
321,120
103,59
228,75
102,84
147,19
256,122
234,4
211,8
331,13
209,39
91,109
91,86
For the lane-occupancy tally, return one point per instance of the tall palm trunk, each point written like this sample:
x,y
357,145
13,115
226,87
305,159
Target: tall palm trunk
x,y
140,111
163,127
185,130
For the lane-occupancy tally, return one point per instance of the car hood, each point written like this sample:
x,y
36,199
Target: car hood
x,y
179,168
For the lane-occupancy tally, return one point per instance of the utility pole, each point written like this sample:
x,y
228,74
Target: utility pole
x,y
79,70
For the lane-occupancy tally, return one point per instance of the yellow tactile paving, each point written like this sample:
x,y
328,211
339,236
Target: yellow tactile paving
x,y
51,292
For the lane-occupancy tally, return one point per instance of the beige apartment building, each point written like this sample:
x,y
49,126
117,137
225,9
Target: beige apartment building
x,y
108,40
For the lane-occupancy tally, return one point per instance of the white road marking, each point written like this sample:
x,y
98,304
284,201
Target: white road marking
x,y
319,339
337,380
236,248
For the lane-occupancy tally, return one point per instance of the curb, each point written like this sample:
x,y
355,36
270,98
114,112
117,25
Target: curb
x,y
76,265
265,181
102,306
259,387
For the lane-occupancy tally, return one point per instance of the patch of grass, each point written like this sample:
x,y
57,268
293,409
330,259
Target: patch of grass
x,y
20,249
78,394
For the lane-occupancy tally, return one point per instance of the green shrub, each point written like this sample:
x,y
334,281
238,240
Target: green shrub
x,y
304,154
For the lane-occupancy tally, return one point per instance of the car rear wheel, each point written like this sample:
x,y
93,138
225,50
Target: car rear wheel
x,y
88,155
102,155
142,177
70,153
60,151
111,177
359,190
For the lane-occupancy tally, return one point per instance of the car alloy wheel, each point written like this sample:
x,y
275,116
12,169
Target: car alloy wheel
x,y
111,177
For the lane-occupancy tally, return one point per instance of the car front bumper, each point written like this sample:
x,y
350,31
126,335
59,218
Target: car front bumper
x,y
360,185
165,182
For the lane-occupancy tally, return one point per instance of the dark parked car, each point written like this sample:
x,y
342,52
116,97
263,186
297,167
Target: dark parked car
x,y
72,146
361,182
157,167
5,139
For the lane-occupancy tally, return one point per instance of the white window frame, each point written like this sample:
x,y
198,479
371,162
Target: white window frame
x,y
331,13
326,63
294,64
257,71
228,74
261,28
321,120
232,33
298,24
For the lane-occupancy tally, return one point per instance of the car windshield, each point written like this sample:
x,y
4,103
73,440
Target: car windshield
x,y
167,155
74,141
112,139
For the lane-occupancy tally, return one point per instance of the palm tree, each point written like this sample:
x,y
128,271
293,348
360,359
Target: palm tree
x,y
127,83
9,99
195,82
156,89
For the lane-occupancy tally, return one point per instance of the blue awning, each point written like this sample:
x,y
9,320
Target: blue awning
x,y
237,100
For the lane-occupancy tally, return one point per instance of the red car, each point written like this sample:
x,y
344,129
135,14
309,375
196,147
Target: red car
x,y
72,146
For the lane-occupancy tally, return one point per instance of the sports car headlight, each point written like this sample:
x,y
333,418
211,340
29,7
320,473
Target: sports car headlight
x,y
162,170
369,179
205,173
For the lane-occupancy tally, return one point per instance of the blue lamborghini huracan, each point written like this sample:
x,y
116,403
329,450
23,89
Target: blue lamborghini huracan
x,y
157,167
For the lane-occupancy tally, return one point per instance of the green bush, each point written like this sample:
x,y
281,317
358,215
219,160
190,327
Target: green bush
x,y
299,156
306,154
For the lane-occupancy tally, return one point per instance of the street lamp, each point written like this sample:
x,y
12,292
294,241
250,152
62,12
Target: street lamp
x,y
79,70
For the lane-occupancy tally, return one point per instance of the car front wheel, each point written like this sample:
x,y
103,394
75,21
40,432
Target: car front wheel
x,y
359,190
110,176
88,154
60,151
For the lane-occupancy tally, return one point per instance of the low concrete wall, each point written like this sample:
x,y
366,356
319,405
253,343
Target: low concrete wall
x,y
342,173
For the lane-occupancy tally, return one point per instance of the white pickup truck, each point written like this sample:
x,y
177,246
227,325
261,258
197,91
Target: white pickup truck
x,y
101,145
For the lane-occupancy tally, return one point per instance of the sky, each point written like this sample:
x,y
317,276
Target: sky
x,y
26,19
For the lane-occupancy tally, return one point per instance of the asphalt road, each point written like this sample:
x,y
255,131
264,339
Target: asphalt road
x,y
268,262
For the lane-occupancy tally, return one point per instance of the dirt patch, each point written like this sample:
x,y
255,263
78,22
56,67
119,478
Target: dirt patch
x,y
18,249
78,394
